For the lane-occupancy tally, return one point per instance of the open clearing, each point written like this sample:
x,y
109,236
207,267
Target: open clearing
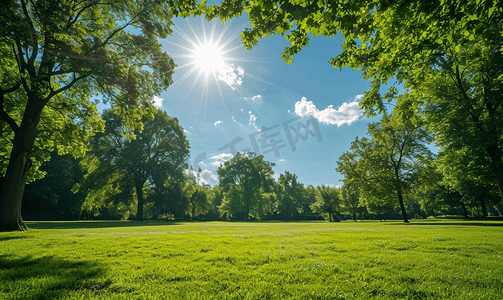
x,y
430,259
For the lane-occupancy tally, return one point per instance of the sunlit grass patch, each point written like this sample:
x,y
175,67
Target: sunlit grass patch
x,y
218,260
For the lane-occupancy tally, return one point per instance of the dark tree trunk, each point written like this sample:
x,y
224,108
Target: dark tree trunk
x,y
483,205
402,207
495,155
11,197
433,213
464,210
139,194
354,215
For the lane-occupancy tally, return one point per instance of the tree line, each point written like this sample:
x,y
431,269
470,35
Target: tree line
x,y
389,175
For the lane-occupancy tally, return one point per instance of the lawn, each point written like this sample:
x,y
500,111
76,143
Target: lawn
x,y
428,259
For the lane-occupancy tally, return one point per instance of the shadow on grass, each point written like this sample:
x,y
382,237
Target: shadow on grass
x,y
47,277
459,222
93,224
7,238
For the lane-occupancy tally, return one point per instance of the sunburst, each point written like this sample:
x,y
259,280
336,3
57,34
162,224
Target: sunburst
x,y
206,54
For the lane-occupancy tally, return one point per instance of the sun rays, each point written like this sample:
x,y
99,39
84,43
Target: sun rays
x,y
204,59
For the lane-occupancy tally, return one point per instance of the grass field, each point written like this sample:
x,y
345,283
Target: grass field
x,y
428,259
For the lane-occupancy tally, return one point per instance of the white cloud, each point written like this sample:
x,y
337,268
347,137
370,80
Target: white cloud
x,y
347,113
230,75
207,177
252,120
157,101
359,97
282,160
220,159
218,122
257,100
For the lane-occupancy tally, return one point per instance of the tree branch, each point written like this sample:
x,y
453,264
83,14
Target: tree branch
x,y
66,87
3,114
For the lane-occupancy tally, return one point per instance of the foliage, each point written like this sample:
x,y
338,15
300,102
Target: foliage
x,y
51,198
196,197
120,167
166,260
244,178
289,195
328,200
389,162
447,53
59,59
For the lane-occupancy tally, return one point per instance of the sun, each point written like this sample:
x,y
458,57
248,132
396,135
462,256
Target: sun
x,y
206,57
209,57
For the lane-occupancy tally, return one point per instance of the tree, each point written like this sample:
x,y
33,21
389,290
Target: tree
x,y
431,190
351,198
390,161
347,165
197,198
463,104
289,195
468,172
328,200
244,178
59,55
122,162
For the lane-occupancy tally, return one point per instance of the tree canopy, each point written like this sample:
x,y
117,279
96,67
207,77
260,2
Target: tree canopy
x,y
244,178
59,59
448,54
120,166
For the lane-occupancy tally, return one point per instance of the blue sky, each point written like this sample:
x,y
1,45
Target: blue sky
x,y
301,116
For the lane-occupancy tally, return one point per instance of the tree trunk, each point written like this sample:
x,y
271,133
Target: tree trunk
x,y
433,213
464,210
483,205
495,155
402,206
354,215
139,194
11,197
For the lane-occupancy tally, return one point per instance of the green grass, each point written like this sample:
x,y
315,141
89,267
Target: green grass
x,y
429,259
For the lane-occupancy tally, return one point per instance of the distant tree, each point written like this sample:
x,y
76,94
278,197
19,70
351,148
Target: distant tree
x,y
328,200
351,198
243,179
56,57
391,160
347,165
309,195
123,162
168,201
289,195
215,197
197,198
431,190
